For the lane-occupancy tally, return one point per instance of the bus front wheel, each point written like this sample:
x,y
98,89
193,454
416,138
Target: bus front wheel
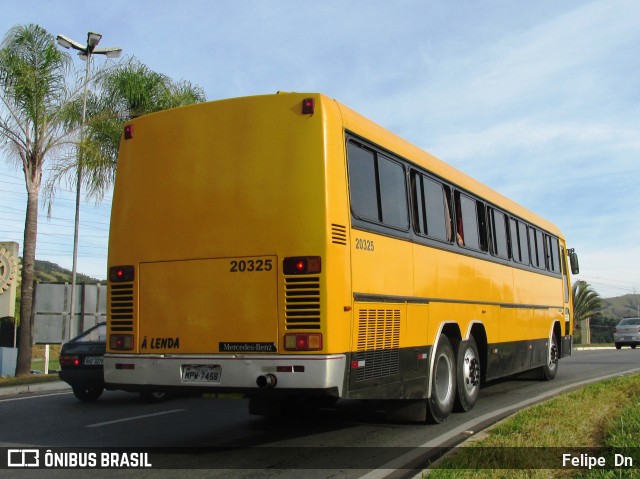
x,y
443,382
549,370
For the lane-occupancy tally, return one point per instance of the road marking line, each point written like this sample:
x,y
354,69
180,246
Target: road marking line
x,y
33,397
134,418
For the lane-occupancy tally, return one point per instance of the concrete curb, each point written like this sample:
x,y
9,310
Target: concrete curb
x,y
34,388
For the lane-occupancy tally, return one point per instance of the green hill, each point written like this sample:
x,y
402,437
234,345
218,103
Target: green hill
x,y
47,272
621,306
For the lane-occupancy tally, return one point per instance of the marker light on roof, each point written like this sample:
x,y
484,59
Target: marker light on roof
x,y
308,106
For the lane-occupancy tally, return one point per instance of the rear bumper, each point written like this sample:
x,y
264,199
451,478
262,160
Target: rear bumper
x,y
630,339
82,378
308,374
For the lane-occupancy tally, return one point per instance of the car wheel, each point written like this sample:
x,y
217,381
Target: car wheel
x,y
88,394
633,346
153,396
618,346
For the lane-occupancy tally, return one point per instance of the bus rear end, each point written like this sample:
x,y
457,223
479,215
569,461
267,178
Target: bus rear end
x,y
219,246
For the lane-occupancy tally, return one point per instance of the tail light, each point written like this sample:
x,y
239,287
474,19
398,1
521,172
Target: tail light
x,y
303,342
121,274
302,265
121,342
69,360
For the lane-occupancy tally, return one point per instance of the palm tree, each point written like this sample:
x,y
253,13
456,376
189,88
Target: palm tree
x,y
33,95
586,303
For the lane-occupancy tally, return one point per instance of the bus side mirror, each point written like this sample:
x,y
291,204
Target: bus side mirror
x,y
573,259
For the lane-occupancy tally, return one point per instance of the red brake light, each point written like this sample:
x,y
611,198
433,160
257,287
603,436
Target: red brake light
x,y
303,342
302,265
69,361
121,274
121,342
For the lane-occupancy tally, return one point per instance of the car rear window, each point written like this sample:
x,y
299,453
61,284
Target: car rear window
x,y
630,322
93,335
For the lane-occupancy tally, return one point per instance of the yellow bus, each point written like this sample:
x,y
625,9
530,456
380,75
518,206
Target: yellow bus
x,y
283,246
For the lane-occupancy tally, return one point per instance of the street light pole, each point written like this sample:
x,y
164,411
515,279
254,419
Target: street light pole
x,y
85,52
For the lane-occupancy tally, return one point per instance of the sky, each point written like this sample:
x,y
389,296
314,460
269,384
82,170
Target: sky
x,y
540,100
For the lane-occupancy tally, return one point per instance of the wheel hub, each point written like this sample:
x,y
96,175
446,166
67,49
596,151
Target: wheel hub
x,y
472,376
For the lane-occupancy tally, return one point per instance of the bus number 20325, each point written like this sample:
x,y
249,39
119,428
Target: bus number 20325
x,y
250,265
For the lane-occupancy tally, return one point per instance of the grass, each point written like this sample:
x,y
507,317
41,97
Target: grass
x,y
37,357
604,416
33,379
37,364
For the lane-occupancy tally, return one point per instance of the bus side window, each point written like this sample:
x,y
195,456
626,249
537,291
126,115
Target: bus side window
x,y
515,241
470,225
377,187
393,193
432,210
535,261
551,245
448,220
499,234
362,182
417,196
542,259
524,243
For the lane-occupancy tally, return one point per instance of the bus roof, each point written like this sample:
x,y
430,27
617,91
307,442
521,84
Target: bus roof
x,y
362,126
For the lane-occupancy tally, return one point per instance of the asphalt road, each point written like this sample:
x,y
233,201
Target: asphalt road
x,y
205,437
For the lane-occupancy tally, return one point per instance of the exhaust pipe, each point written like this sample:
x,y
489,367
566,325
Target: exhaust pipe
x,y
267,381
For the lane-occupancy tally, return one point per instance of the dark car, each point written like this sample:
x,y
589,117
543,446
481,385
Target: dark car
x,y
627,333
81,365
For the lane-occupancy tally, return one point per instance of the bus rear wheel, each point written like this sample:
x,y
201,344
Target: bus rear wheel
x,y
549,370
443,382
467,375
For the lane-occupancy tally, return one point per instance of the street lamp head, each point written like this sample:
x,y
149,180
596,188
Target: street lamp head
x,y
67,42
93,39
108,52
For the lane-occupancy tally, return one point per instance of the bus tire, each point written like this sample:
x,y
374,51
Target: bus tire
x,y
467,375
549,370
153,396
443,383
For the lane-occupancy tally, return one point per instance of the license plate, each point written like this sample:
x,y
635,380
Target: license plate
x,y
201,374
93,361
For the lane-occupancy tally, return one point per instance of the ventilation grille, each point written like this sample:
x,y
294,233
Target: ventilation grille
x,y
302,303
378,344
338,234
121,301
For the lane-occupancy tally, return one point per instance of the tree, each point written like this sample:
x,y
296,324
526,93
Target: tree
x,y
586,303
33,97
